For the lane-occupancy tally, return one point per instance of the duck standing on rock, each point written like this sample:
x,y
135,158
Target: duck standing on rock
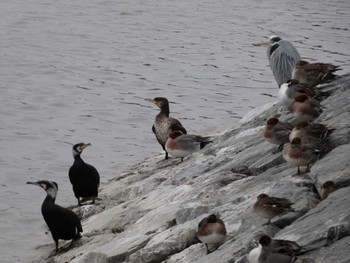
x,y
277,132
62,222
181,145
269,207
164,124
211,231
282,56
314,73
84,177
301,154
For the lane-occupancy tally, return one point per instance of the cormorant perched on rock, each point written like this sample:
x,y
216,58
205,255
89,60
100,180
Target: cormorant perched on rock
x,y
84,177
62,222
164,124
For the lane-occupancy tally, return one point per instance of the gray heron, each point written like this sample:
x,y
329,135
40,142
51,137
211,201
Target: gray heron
x,y
282,56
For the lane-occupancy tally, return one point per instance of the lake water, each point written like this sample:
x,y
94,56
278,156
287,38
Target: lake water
x,y
78,71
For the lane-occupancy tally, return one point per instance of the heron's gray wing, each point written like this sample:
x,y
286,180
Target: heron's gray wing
x,y
282,61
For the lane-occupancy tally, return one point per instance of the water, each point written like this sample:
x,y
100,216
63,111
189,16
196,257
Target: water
x,y
78,71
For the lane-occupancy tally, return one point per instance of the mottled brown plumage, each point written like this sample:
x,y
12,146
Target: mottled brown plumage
x,y
277,132
164,124
327,188
269,207
302,154
313,73
310,132
305,108
275,251
289,90
211,231
181,145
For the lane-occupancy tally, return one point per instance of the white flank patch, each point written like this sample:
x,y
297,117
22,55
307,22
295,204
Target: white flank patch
x,y
296,161
282,95
254,254
214,238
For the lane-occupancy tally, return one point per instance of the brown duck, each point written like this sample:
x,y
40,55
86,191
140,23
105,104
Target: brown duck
x,y
164,124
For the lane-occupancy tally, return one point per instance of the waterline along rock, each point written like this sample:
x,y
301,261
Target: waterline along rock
x,y
150,212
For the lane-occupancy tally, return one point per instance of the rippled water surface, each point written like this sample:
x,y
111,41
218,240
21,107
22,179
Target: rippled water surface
x,y
75,71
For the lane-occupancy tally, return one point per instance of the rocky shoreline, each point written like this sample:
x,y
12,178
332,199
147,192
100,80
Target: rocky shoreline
x,y
150,212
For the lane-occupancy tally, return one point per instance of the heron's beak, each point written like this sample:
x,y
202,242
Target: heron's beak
x,y
262,44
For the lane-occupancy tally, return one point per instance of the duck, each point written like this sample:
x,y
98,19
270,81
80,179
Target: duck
x,y
327,188
310,132
288,91
314,73
211,231
62,222
305,108
164,124
301,154
84,177
182,145
270,207
275,251
277,132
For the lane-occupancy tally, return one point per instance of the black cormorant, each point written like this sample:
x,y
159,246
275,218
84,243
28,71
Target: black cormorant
x,y
62,222
84,177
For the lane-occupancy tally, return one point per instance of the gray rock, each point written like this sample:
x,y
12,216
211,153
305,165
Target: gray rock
x,y
91,257
323,225
335,167
150,212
